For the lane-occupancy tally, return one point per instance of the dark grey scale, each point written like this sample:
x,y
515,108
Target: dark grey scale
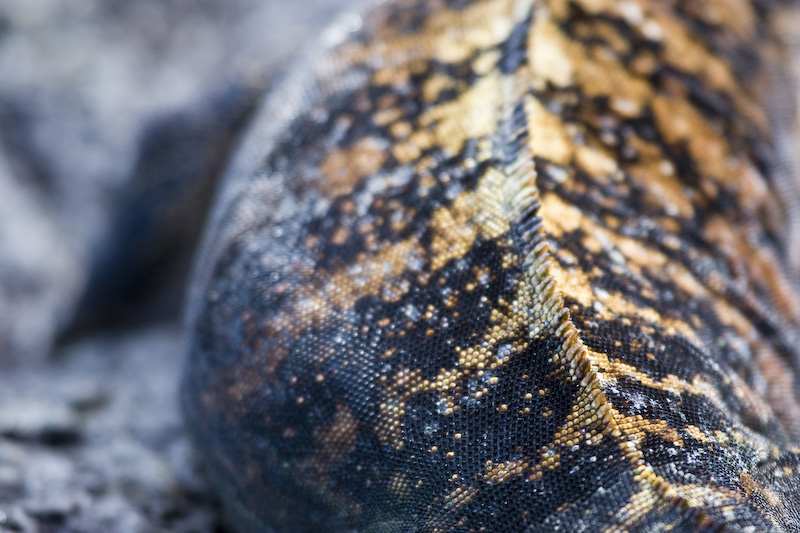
x,y
515,49
579,17
673,355
698,256
630,213
785,486
523,505
312,134
460,71
600,509
742,56
604,479
459,179
417,349
409,17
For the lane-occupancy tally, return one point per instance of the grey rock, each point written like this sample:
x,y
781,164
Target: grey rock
x,y
106,101
132,468
53,509
14,518
36,419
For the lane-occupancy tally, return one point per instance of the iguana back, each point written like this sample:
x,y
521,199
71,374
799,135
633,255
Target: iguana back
x,y
503,266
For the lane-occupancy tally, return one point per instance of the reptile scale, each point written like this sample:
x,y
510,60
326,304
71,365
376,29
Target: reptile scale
x,y
511,266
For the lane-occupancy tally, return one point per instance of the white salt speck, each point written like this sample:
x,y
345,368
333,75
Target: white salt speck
x,y
652,30
631,12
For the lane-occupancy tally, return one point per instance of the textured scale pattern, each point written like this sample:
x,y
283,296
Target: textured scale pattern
x,y
511,266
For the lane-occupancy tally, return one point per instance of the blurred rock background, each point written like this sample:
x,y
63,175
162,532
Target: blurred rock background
x,y
116,117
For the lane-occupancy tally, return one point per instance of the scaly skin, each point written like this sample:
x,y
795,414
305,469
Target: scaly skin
x,y
510,266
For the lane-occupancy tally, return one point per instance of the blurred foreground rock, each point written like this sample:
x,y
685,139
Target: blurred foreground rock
x,y
94,442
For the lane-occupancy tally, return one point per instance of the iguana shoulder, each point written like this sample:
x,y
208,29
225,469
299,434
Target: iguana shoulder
x,y
511,266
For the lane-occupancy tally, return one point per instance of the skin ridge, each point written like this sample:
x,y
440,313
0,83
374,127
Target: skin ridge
x,y
525,172
521,172
510,266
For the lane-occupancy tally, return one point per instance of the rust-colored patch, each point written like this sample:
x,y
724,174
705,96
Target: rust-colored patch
x,y
342,170
549,139
336,440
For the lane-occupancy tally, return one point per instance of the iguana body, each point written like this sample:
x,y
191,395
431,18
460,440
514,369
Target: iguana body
x,y
511,266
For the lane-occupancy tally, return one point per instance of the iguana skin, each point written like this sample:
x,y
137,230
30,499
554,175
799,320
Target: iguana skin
x,y
511,266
